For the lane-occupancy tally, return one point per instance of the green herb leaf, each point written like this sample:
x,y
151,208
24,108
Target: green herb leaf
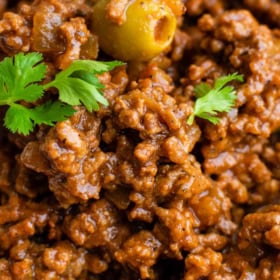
x,y
210,101
201,89
78,84
18,75
20,78
51,112
18,119
22,120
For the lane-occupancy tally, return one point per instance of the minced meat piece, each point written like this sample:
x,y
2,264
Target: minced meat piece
x,y
132,191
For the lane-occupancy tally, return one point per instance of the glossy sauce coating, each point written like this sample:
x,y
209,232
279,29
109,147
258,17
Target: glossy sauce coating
x,y
132,191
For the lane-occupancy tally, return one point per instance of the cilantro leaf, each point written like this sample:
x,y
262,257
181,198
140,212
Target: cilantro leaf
x,y
210,101
88,77
222,81
51,112
95,85
22,120
73,91
201,89
20,78
18,75
18,119
90,66
78,84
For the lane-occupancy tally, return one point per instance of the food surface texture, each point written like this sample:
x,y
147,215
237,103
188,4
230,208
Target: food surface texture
x,y
139,139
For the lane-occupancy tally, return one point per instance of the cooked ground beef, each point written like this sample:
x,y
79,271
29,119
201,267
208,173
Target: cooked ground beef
x,y
132,191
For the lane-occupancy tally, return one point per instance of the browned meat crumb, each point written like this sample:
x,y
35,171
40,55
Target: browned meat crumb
x,y
132,191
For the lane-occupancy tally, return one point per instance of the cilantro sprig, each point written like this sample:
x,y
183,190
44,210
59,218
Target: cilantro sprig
x,y
20,87
210,101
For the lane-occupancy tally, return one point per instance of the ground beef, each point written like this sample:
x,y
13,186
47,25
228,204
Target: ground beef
x,y
132,191
270,10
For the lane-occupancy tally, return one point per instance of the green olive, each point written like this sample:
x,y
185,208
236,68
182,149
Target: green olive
x,y
147,31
